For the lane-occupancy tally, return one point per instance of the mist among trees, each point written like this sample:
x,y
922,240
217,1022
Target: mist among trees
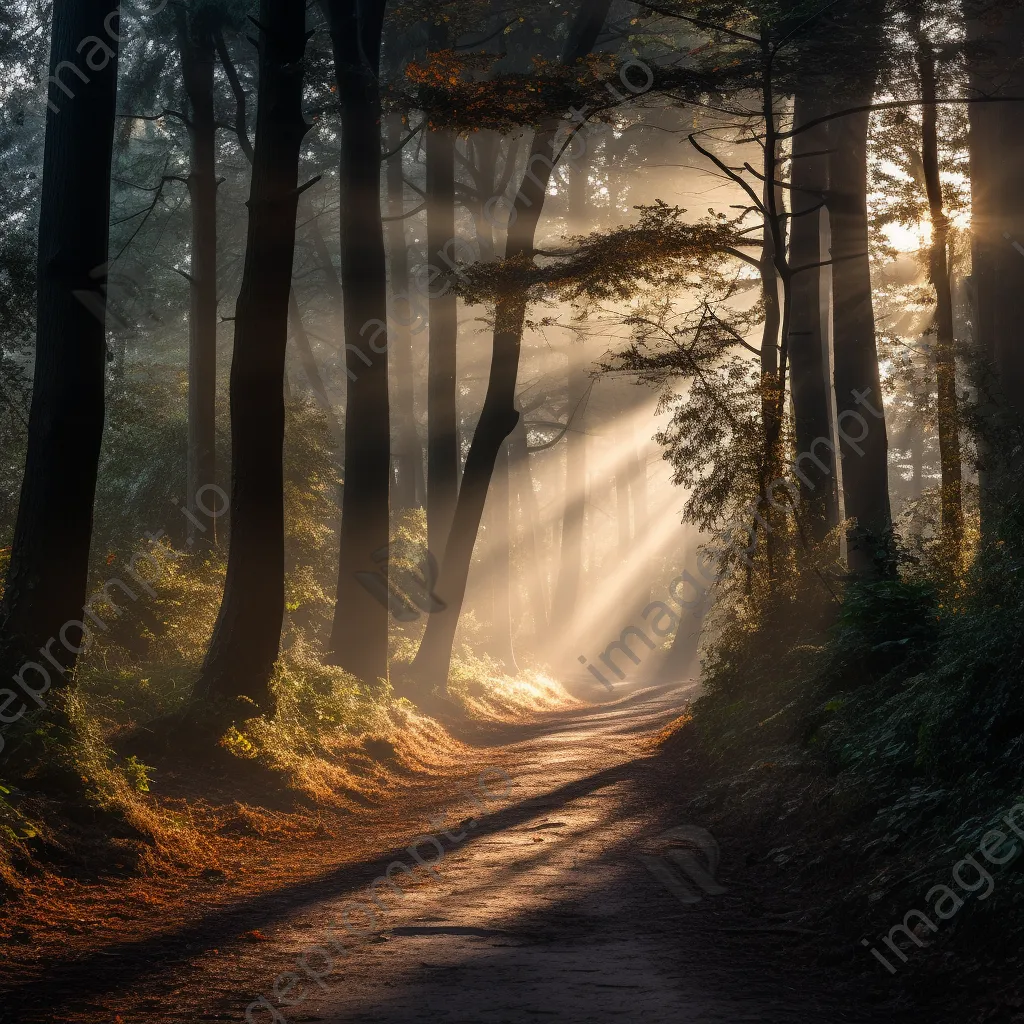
x,y
384,387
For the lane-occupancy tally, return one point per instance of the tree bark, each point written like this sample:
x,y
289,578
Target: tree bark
x,y
196,34
246,637
359,635
46,580
858,390
638,500
407,442
485,147
312,372
570,562
681,659
519,452
938,274
442,412
771,407
997,228
498,416
808,376
499,561
620,483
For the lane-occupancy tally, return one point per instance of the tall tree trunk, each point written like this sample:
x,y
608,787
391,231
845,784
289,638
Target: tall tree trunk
x,y
485,147
938,274
681,659
246,637
500,562
498,416
916,458
442,412
776,318
997,229
196,33
359,635
46,579
519,452
638,500
809,381
407,442
312,372
620,483
570,561
858,390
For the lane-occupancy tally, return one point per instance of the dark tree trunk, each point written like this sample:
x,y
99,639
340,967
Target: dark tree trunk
x,y
312,372
359,635
858,391
771,339
498,416
620,482
331,280
485,146
681,660
638,500
197,45
570,562
997,228
916,458
808,374
534,572
442,413
405,319
46,580
939,275
247,634
499,565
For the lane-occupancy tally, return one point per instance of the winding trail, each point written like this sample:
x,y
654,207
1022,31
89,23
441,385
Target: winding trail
x,y
542,911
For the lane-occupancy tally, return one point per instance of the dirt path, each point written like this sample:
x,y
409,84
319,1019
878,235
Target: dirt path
x,y
539,909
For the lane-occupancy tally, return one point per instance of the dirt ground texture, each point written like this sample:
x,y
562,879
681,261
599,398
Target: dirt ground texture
x,y
540,908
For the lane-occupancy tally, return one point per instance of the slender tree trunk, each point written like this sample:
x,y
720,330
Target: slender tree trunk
x,y
197,44
498,416
485,147
638,499
246,637
620,483
519,452
407,442
570,563
306,356
916,458
858,391
997,230
938,273
331,280
359,636
681,659
312,372
500,561
46,580
809,382
442,411
770,345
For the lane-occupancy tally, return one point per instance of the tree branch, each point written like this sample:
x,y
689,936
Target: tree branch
x,y
239,126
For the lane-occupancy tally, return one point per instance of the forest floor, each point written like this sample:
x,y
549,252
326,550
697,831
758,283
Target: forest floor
x,y
540,908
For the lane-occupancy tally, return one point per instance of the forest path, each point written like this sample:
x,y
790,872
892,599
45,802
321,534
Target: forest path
x,y
545,911
541,909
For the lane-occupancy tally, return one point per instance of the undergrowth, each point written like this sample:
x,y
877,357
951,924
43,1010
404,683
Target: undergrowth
x,y
906,704
70,797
